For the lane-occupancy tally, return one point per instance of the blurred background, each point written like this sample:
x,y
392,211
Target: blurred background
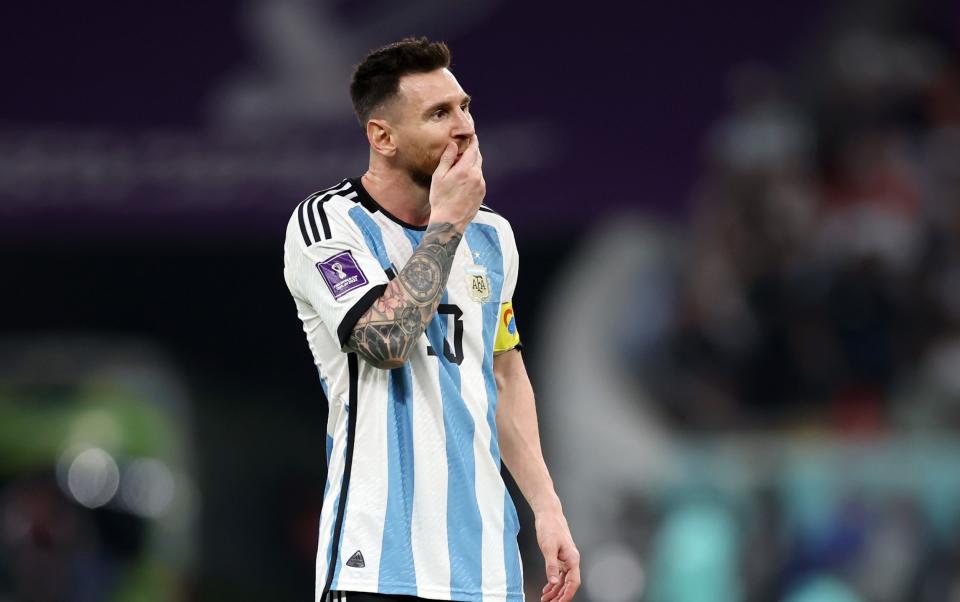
x,y
739,229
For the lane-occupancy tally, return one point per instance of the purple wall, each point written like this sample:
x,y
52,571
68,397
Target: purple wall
x,y
145,123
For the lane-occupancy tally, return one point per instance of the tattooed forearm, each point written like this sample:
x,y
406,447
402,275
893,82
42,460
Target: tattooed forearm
x,y
386,333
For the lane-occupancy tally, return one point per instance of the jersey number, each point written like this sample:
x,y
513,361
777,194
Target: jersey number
x,y
456,357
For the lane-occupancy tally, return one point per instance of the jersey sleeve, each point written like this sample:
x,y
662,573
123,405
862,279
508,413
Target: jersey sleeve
x,y
508,337
511,260
338,276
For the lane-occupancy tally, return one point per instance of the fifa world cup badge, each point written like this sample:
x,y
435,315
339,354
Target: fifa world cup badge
x,y
478,284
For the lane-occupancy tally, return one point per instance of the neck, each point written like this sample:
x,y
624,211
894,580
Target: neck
x,y
398,194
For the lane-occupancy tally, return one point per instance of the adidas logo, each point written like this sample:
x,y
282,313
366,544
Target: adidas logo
x,y
356,561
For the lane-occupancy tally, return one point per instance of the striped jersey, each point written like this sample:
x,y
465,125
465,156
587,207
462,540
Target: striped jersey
x,y
414,502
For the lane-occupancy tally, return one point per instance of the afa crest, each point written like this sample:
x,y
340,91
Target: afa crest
x,y
478,284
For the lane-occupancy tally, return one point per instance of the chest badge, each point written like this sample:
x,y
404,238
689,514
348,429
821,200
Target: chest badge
x,y
478,283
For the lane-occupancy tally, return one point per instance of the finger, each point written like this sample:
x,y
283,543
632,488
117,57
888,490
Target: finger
x,y
446,159
554,585
557,590
570,586
550,591
552,564
551,594
469,157
476,143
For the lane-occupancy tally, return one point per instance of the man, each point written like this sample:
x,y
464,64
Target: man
x,y
403,281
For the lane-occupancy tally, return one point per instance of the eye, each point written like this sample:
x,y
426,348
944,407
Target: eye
x,y
439,114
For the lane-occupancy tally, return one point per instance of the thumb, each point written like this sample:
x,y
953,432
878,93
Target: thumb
x,y
553,565
446,159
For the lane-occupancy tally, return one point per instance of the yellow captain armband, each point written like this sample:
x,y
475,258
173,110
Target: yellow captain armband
x,y
507,335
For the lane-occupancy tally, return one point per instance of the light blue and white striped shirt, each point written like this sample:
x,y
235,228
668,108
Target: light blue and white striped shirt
x,y
414,502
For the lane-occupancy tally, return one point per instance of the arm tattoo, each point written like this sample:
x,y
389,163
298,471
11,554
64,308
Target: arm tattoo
x,y
386,333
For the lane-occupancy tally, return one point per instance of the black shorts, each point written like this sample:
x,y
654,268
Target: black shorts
x,y
368,597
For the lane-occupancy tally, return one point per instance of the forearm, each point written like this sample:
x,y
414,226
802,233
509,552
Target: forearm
x,y
519,436
386,333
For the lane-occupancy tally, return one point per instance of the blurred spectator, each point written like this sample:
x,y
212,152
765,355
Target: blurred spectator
x,y
797,354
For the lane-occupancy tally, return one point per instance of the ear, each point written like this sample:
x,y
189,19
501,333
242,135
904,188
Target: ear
x,y
382,138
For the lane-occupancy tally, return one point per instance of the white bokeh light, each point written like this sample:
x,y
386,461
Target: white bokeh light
x,y
93,477
148,487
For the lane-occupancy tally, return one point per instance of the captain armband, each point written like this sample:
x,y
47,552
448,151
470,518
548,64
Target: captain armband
x,y
507,335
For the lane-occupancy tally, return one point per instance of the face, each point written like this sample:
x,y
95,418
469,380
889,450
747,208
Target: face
x,y
430,111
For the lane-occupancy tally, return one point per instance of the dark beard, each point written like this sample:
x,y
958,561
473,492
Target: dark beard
x,y
420,177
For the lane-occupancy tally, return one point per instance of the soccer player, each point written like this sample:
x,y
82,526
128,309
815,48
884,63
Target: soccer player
x,y
403,281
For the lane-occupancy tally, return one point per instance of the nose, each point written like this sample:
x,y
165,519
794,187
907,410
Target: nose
x,y
463,124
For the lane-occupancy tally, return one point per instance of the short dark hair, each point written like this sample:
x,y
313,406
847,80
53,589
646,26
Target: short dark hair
x,y
377,79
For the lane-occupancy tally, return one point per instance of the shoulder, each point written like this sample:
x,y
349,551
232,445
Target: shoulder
x,y
317,216
488,216
484,208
